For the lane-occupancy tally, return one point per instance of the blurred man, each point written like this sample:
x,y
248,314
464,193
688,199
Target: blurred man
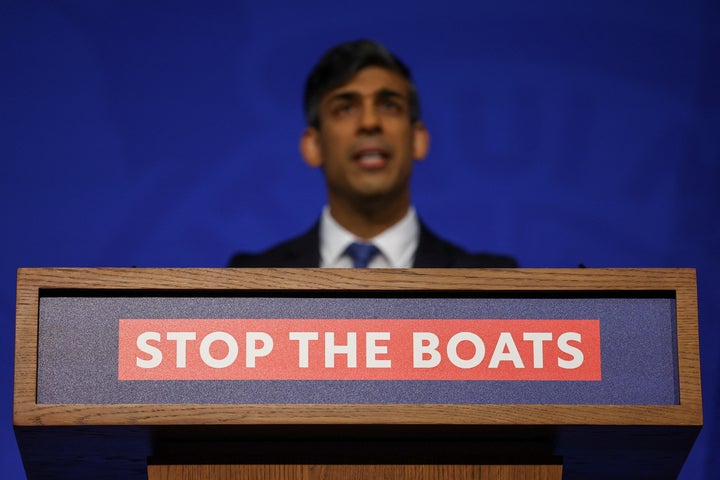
x,y
364,131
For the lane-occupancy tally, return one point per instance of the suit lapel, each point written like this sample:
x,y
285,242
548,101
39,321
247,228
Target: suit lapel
x,y
304,251
431,252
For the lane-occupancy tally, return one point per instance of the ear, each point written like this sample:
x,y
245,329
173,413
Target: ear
x,y
421,140
310,147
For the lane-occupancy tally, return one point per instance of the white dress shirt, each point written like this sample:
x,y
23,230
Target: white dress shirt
x,y
397,244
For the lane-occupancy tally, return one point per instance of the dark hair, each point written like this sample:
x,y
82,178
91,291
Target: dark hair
x,y
341,63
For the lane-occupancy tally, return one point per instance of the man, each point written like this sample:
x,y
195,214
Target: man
x,y
364,131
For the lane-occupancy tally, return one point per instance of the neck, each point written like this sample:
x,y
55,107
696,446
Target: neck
x,y
368,218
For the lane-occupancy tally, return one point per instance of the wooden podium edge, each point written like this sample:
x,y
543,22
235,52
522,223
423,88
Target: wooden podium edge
x,y
682,281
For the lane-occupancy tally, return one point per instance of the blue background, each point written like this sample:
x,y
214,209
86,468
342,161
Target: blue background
x,y
165,134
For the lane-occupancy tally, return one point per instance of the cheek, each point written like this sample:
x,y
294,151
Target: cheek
x,y
331,154
333,143
406,145
401,132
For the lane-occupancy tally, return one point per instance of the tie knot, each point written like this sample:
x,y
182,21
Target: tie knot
x,y
362,253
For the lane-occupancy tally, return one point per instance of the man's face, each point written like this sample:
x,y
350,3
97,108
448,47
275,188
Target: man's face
x,y
366,143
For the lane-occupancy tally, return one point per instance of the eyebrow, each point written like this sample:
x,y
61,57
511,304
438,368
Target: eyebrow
x,y
353,95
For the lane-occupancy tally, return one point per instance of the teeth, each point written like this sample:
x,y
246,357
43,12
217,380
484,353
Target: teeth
x,y
371,159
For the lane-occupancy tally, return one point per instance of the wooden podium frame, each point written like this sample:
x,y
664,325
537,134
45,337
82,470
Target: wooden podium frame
x,y
355,441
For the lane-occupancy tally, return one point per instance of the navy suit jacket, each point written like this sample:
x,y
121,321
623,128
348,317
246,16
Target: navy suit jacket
x,y
432,252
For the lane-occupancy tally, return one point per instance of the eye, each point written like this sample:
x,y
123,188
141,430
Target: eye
x,y
341,109
391,106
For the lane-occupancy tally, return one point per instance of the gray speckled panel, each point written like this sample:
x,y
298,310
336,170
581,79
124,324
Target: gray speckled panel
x,y
78,351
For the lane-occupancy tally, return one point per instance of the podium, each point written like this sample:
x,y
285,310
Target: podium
x,y
356,374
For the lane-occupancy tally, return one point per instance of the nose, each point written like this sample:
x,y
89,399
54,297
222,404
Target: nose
x,y
369,119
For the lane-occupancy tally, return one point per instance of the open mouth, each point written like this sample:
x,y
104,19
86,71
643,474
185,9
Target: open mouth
x,y
371,158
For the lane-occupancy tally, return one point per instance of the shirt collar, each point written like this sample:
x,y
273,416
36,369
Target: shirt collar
x,y
397,244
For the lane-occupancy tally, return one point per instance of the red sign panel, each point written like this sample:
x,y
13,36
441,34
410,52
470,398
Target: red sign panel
x,y
358,349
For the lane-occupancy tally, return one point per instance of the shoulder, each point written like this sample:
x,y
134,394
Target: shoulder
x,y
300,251
436,252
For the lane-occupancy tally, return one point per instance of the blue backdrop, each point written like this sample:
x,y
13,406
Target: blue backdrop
x,y
165,134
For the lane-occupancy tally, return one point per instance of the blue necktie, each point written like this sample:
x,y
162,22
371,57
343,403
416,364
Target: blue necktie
x,y
362,253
